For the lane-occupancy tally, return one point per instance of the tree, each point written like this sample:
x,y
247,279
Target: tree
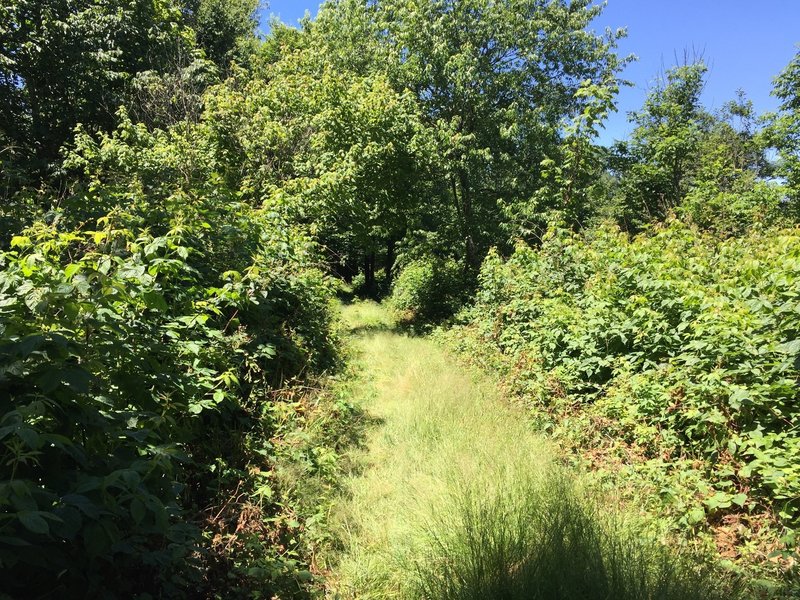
x,y
707,167
785,127
68,62
730,192
658,163
340,152
494,81
223,27
369,151
572,178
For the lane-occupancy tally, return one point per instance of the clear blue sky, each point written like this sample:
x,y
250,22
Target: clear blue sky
x,y
745,43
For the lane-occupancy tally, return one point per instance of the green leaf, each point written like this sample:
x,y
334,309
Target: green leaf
x,y
138,510
33,521
718,500
71,270
792,347
696,515
737,397
154,300
29,436
76,379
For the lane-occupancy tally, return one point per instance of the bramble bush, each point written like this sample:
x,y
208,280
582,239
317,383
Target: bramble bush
x,y
680,345
427,290
143,333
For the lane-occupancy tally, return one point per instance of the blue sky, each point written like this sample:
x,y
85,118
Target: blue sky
x,y
745,43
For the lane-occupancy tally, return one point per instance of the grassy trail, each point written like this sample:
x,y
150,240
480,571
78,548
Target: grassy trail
x,y
440,430
451,499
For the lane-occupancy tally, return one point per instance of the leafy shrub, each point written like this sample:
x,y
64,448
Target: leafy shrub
x,y
679,344
428,290
138,360
734,212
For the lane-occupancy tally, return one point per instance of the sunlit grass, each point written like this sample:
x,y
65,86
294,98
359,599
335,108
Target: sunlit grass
x,y
460,499
365,316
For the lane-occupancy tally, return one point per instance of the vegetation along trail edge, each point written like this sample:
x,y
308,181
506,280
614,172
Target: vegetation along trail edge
x,y
456,496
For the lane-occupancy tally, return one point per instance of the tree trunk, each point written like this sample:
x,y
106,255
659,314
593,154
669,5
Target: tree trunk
x,y
466,210
369,272
390,258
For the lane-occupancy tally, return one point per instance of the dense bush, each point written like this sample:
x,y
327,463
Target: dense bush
x,y
753,204
139,352
680,345
428,290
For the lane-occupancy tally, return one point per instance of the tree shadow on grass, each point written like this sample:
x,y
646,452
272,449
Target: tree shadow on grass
x,y
367,329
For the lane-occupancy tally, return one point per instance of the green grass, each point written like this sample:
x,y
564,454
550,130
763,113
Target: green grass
x,y
544,540
458,498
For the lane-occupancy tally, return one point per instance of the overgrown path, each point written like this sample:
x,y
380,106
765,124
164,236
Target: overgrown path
x,y
454,496
440,430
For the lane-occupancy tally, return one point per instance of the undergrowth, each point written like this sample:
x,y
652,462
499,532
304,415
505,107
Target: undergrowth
x,y
156,345
271,515
456,496
669,363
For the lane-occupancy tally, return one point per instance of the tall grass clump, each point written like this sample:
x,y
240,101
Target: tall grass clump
x,y
545,541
